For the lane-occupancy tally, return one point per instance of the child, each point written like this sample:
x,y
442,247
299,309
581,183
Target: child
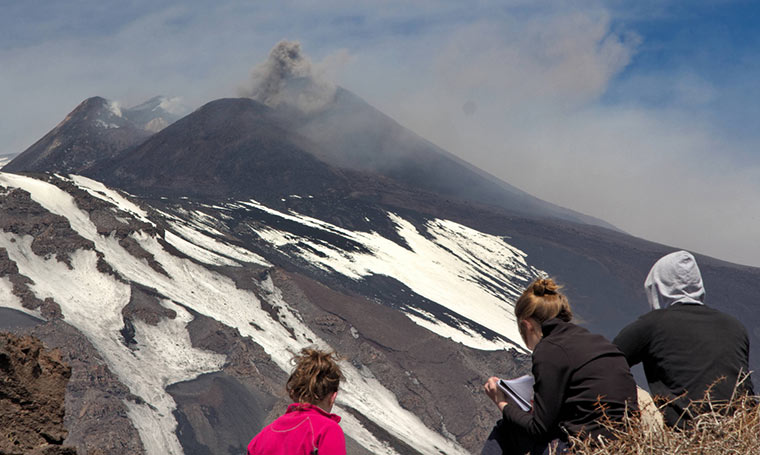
x,y
307,427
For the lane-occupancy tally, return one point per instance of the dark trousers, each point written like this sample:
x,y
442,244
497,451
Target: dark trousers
x,y
505,440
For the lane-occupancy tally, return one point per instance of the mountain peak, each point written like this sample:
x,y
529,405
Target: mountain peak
x,y
97,106
95,130
231,146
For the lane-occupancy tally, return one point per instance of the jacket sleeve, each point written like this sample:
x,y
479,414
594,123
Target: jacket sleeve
x,y
252,446
633,341
552,374
332,441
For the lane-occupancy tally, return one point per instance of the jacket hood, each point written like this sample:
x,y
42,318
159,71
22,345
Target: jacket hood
x,y
675,278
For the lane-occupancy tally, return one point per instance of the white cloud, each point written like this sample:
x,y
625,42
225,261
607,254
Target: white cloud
x,y
557,61
653,173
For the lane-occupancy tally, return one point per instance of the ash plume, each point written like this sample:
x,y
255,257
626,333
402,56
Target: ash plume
x,y
288,77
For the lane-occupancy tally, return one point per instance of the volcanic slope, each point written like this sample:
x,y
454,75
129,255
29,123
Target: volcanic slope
x,y
172,296
330,241
227,148
194,309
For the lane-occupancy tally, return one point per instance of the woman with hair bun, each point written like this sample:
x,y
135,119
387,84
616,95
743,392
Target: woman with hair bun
x,y
579,376
307,427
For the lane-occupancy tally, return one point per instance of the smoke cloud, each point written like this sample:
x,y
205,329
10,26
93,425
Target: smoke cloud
x,y
287,77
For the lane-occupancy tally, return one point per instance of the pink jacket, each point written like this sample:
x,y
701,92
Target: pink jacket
x,y
304,429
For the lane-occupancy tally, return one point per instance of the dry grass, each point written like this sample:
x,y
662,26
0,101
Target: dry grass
x,y
726,428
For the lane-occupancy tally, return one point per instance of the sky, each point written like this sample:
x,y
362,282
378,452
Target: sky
x,y
643,114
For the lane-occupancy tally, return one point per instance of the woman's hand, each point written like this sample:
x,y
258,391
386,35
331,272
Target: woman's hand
x,y
495,393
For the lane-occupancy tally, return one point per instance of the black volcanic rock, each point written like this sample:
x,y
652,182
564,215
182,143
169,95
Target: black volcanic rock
x,y
227,148
96,130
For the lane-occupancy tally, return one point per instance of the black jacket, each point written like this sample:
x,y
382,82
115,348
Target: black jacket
x,y
685,348
575,372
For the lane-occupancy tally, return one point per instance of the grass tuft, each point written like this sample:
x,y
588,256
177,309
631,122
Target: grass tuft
x,y
719,428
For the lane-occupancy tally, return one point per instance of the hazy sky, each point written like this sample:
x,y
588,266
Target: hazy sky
x,y
644,115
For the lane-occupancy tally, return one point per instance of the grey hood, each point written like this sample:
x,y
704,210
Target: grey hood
x,y
675,278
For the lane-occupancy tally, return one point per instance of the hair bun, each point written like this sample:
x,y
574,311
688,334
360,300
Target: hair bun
x,y
543,300
545,286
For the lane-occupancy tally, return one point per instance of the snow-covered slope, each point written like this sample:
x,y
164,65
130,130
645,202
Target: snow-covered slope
x,y
473,276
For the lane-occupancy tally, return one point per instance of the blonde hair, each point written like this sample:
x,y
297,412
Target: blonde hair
x,y
315,376
543,301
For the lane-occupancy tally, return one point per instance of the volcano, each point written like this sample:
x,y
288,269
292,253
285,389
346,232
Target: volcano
x,y
179,270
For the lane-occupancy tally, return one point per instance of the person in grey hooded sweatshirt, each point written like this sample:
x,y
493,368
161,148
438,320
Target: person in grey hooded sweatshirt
x,y
685,346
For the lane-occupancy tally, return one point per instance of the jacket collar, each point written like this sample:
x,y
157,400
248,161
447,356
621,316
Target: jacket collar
x,y
551,325
308,407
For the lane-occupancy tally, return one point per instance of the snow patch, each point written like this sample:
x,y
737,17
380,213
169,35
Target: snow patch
x,y
476,276
167,350
359,433
199,254
9,300
54,200
102,192
195,241
109,126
